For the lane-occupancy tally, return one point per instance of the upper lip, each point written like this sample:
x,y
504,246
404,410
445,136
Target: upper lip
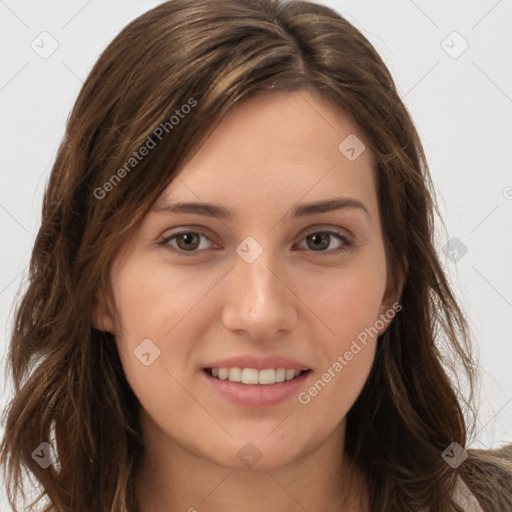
x,y
258,363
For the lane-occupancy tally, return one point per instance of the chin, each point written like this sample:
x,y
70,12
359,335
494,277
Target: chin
x,y
255,455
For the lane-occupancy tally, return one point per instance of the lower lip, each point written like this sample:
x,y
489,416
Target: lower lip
x,y
256,395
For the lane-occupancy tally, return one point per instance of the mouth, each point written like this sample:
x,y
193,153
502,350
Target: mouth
x,y
252,376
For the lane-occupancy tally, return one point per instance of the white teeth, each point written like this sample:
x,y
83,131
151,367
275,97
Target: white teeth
x,y
289,374
253,376
280,374
249,376
235,374
267,376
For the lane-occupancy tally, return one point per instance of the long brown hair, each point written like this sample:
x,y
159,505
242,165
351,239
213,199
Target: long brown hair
x,y
70,387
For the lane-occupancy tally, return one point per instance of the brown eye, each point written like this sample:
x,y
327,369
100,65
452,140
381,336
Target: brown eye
x,y
188,243
319,241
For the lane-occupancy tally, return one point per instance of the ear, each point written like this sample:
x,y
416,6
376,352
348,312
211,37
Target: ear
x,y
102,318
391,300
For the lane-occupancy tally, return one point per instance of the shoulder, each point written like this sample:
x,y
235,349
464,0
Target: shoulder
x,y
487,476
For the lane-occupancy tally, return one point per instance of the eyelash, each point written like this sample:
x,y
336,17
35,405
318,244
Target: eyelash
x,y
347,242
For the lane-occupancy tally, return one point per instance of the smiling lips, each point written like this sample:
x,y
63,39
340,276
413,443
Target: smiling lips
x,y
256,370
254,376
256,388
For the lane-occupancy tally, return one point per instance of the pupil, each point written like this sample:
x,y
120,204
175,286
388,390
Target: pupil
x,y
318,238
186,237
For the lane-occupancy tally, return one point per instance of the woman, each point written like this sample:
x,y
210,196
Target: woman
x,y
234,293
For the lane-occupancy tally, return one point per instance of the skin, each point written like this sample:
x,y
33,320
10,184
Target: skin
x,y
268,154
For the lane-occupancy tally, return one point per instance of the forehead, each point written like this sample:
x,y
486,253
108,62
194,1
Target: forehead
x,y
276,148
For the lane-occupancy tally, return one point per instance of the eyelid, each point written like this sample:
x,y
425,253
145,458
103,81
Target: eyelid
x,y
328,228
203,230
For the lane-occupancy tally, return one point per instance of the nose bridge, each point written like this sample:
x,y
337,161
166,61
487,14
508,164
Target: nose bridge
x,y
255,269
258,300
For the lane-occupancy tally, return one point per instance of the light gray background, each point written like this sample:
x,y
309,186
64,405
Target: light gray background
x,y
461,104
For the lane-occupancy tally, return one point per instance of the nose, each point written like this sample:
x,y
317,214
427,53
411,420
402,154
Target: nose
x,y
259,301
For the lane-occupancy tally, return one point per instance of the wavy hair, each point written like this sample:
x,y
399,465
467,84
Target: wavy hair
x,y
70,387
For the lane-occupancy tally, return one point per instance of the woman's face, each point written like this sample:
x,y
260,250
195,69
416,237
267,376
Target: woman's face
x,y
266,286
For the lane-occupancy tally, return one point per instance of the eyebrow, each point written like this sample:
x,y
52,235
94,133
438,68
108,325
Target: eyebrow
x,y
302,210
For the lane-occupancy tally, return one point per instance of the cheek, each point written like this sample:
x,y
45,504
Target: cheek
x,y
346,301
353,315
149,312
151,298
346,364
149,308
332,394
347,306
